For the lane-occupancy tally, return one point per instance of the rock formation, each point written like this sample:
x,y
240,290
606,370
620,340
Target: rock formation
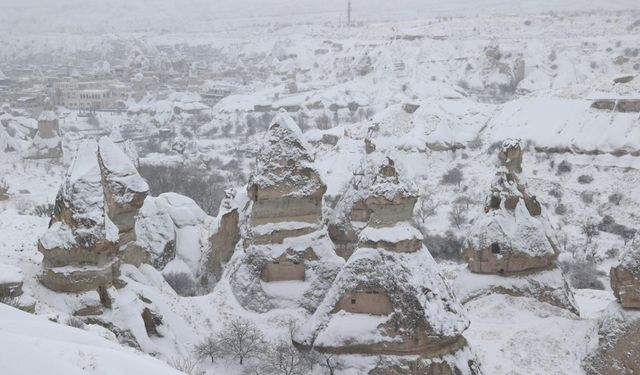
x,y
375,209
625,279
47,142
11,292
172,233
93,219
617,352
285,187
513,238
283,238
390,298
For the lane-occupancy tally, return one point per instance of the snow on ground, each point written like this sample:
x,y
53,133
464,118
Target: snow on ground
x,y
523,336
32,344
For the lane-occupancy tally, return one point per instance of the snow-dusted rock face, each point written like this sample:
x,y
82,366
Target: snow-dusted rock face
x,y
514,238
625,279
617,352
80,246
389,298
225,236
11,282
283,239
285,186
124,189
512,235
93,218
376,210
389,303
174,231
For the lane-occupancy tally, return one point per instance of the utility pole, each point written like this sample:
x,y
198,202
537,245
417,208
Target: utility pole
x,y
349,13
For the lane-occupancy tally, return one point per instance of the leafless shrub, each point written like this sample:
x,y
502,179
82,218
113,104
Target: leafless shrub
x,y
286,359
182,283
457,216
564,167
187,365
589,230
452,177
206,188
208,349
4,189
587,196
75,322
446,247
11,301
615,198
585,179
428,207
475,144
43,210
560,209
582,274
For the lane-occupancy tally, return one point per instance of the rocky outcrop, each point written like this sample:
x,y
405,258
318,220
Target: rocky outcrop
x,y
47,142
376,210
617,352
11,292
285,186
396,304
93,218
124,189
511,236
514,238
390,292
225,236
280,227
625,279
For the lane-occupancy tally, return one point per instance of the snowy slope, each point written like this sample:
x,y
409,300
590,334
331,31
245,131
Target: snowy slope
x,y
34,345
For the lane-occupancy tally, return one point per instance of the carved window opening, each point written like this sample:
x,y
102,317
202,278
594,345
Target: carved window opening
x,y
495,248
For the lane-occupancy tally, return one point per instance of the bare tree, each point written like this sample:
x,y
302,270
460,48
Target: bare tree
x,y
285,359
589,230
428,206
209,348
457,216
242,339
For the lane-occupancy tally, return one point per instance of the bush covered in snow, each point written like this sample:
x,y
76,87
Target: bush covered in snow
x,y
447,247
582,274
182,283
585,179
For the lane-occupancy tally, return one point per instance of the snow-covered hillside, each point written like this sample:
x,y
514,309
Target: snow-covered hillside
x,y
275,141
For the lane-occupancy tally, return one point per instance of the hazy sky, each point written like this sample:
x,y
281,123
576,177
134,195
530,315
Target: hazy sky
x,y
18,16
